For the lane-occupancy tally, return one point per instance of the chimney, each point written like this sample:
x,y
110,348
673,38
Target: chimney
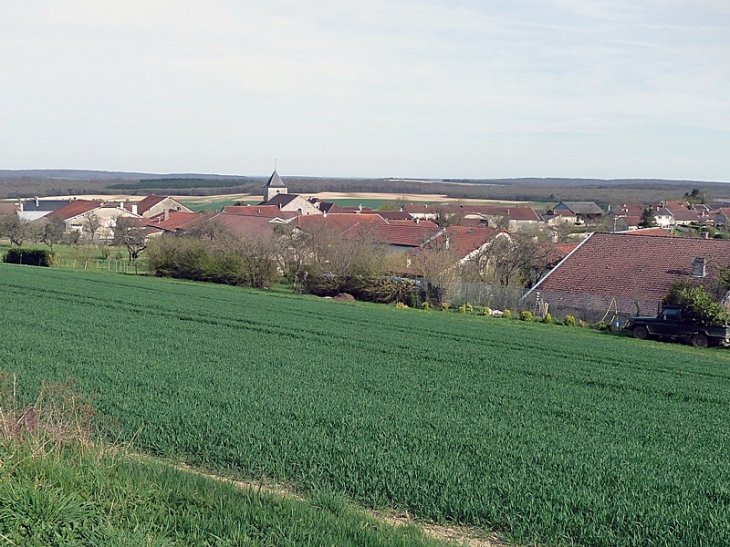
x,y
134,209
20,205
36,201
121,204
418,220
167,214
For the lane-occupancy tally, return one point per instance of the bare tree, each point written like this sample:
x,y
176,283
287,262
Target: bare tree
x,y
129,233
92,224
519,259
14,228
437,263
52,231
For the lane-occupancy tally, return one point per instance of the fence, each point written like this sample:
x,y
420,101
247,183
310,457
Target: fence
x,y
479,294
591,308
110,265
588,307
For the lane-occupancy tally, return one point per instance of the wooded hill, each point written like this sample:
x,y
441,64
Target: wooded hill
x,y
29,183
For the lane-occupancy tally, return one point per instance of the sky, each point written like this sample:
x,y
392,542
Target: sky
x,y
369,88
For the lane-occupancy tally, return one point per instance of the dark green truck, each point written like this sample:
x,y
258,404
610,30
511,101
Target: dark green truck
x,y
670,325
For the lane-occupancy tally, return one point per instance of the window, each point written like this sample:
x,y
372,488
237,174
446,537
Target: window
x,y
698,267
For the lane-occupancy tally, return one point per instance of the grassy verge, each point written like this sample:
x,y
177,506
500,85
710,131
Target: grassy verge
x,y
57,487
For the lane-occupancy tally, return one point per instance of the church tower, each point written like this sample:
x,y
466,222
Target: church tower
x,y
274,187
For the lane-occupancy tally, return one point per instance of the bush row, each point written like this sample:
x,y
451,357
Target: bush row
x,y
32,257
245,264
379,289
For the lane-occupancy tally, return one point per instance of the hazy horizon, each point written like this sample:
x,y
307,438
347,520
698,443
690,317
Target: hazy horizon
x,y
403,89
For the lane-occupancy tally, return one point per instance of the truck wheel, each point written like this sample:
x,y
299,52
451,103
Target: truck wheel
x,y
640,332
700,340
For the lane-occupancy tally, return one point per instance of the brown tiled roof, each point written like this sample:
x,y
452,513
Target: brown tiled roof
x,y
177,220
146,204
651,232
73,209
564,249
395,215
8,208
246,226
406,233
629,209
266,211
633,266
464,240
344,223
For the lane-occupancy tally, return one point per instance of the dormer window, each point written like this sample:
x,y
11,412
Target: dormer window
x,y
699,268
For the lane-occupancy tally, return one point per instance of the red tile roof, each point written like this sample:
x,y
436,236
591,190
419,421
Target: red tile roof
x,y
73,209
177,220
244,225
395,215
465,239
344,223
406,233
564,249
146,204
650,232
634,266
9,208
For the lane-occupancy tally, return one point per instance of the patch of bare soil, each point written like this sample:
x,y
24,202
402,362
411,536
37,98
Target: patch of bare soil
x,y
344,297
462,536
468,537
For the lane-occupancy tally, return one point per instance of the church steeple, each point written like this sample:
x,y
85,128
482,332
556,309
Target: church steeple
x,y
274,187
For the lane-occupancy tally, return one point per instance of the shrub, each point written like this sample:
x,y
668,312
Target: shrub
x,y
547,318
569,321
469,308
697,305
32,257
444,306
506,314
462,309
582,324
487,311
526,316
600,325
401,306
425,305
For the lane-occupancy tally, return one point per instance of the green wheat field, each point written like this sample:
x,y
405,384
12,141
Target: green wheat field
x,y
548,434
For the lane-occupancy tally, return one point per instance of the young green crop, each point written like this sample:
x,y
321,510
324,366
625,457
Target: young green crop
x,y
560,436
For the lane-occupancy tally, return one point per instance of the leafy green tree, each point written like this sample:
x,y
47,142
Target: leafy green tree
x,y
648,218
695,196
697,305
